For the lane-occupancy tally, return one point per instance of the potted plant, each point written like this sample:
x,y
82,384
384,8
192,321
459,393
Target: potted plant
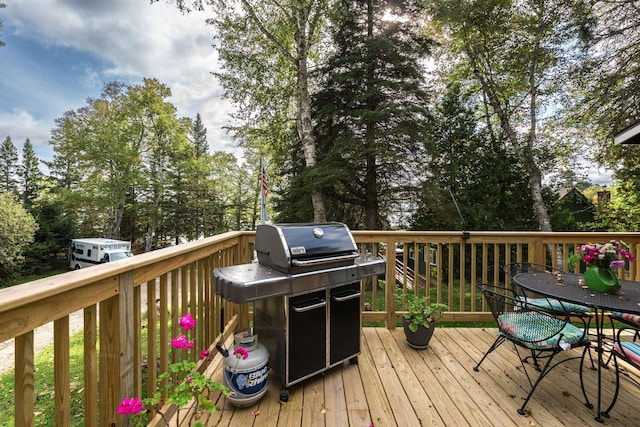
x,y
600,261
420,319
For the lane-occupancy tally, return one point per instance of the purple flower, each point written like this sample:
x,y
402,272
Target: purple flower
x,y
187,322
617,264
130,406
204,354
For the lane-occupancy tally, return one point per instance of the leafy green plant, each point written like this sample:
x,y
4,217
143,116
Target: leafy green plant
x,y
419,311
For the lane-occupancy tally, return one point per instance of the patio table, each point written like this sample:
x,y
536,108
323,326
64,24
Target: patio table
x,y
570,288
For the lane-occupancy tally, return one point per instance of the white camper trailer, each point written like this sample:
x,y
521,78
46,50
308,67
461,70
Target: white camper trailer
x,y
88,252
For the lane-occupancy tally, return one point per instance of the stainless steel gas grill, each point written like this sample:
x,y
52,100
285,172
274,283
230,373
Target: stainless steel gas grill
x,y
306,294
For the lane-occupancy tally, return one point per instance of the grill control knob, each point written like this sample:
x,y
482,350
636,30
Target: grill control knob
x,y
318,233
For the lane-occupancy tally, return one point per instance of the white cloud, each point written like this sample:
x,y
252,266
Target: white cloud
x,y
123,40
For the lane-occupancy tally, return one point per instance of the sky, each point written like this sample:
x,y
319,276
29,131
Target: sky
x,y
59,53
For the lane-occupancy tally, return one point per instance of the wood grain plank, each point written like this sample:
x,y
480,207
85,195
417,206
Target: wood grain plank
x,y
403,411
412,387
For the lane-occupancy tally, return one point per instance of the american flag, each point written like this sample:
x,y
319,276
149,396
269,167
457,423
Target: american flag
x,y
263,181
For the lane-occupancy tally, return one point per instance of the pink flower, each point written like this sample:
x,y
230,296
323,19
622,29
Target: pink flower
x,y
188,345
204,354
187,322
189,379
130,406
179,342
241,353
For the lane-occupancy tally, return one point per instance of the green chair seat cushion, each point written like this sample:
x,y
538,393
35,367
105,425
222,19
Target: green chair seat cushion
x,y
540,332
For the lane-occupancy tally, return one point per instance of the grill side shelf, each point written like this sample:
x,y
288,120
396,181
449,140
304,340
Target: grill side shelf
x,y
245,283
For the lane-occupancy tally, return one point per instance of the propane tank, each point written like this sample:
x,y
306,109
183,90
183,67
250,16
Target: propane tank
x,y
248,378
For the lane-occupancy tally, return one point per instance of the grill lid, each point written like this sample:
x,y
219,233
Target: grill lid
x,y
303,247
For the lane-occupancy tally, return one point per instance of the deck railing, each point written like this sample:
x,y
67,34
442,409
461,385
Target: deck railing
x,y
131,308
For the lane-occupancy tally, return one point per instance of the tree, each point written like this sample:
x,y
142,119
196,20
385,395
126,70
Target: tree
x,y
199,137
8,167
269,42
56,227
371,107
517,54
482,174
17,229
610,102
30,175
2,5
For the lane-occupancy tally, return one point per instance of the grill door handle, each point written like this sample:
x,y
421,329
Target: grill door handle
x,y
346,297
309,307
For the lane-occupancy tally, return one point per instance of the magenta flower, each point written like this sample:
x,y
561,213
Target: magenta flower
x,y
241,353
130,406
204,354
187,322
188,345
179,342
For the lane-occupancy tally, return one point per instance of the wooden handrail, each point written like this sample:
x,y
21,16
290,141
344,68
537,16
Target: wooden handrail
x,y
179,278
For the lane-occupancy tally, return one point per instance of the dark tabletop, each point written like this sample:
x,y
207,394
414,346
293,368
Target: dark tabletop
x,y
570,288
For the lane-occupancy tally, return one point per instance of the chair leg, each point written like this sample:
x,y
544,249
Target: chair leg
x,y
605,413
587,349
543,372
495,345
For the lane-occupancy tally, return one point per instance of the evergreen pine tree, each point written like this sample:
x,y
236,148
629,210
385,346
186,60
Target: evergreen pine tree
x,y
8,166
372,108
199,137
30,175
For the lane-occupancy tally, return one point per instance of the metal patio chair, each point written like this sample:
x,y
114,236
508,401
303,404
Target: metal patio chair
x,y
627,349
513,269
541,331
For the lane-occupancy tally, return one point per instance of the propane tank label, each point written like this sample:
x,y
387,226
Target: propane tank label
x,y
247,382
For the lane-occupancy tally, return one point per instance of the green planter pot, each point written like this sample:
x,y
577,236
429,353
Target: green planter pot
x,y
601,279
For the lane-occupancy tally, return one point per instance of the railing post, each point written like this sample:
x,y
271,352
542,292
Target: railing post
x,y
24,377
116,352
390,288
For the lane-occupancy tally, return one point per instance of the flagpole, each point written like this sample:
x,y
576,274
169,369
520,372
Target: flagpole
x,y
263,193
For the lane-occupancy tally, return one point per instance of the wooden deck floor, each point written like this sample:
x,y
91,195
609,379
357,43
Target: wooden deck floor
x,y
395,385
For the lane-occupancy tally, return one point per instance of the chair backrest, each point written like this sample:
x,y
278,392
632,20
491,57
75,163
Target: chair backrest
x,y
513,269
513,315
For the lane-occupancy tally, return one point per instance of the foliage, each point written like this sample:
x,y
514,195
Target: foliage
x,y
420,311
30,175
181,384
613,254
8,167
17,229
371,108
56,228
2,23
125,166
265,48
515,55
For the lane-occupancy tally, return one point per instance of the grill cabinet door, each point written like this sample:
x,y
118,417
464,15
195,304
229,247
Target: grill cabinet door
x,y
344,322
307,335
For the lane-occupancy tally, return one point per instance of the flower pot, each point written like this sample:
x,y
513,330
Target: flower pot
x,y
420,338
601,279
